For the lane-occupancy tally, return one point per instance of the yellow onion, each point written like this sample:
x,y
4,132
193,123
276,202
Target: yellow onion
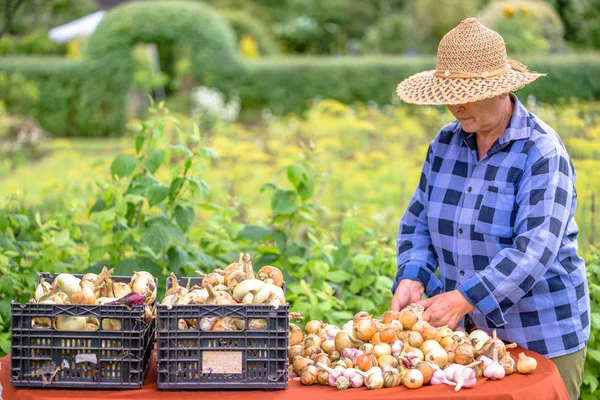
x,y
426,369
390,316
343,340
300,364
295,350
313,326
274,273
386,360
412,379
381,349
437,356
429,345
312,340
410,315
364,328
525,364
464,354
295,335
391,379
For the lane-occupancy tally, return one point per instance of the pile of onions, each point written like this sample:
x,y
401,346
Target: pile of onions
x,y
399,349
93,289
236,284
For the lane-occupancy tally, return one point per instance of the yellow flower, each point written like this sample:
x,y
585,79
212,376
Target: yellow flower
x,y
249,47
508,11
525,9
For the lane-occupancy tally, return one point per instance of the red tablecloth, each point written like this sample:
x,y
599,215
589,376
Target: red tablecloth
x,y
544,383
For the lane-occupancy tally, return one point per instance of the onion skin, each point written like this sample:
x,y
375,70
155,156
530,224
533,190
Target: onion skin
x,y
269,272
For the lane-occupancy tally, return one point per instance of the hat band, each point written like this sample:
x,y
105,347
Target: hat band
x,y
484,75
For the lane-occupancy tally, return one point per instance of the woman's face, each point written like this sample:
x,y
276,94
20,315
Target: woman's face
x,y
480,116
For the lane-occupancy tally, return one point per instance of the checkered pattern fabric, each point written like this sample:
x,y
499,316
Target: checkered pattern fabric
x,y
502,231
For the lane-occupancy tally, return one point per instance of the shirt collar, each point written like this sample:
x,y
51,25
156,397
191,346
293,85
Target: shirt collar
x,y
518,127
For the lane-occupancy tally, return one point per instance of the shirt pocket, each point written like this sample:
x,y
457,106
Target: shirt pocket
x,y
497,211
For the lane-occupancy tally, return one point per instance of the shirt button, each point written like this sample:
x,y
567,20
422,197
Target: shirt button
x,y
462,272
460,230
469,189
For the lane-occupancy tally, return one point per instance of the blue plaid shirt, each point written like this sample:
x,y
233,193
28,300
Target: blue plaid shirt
x,y
502,231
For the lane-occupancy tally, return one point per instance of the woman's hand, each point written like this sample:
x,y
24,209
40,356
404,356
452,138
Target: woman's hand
x,y
408,291
445,309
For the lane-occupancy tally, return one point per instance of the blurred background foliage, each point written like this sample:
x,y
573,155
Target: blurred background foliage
x,y
285,138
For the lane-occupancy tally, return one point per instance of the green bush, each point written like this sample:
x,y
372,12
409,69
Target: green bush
x,y
590,385
37,43
393,34
548,22
245,24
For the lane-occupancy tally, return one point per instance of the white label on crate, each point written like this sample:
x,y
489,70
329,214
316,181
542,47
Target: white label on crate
x,y
91,358
221,362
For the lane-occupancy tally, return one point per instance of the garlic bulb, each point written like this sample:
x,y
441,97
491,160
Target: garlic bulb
x,y
494,370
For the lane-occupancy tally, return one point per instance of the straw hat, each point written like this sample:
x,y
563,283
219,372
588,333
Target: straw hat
x,y
471,65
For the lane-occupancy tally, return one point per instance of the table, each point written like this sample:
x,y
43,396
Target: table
x,y
544,383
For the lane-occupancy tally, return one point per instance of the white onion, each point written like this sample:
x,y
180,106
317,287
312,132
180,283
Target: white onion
x,y
42,290
67,283
69,323
244,287
269,294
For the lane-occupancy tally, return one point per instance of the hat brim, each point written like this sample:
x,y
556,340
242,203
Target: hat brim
x,y
426,88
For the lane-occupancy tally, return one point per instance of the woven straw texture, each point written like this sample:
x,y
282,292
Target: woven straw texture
x,y
472,65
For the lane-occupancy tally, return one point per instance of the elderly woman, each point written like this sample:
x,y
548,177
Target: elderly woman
x,y
494,209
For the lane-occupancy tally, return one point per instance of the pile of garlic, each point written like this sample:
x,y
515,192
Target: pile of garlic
x,y
93,289
398,349
236,284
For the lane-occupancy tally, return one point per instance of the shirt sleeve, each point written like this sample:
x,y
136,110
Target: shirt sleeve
x,y
415,254
544,197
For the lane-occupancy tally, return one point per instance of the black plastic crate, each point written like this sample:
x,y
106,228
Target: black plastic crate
x,y
103,359
248,359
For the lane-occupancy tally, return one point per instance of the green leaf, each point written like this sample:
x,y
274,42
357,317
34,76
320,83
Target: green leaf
x,y
169,227
62,238
121,207
155,159
184,215
20,221
5,342
296,174
284,202
156,238
139,143
280,239
594,354
157,194
306,189
268,186
254,233
199,184
175,186
338,276
208,153
123,166
590,379
128,266
177,259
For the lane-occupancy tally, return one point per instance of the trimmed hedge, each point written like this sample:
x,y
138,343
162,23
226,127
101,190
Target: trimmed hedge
x,y
88,97
288,85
